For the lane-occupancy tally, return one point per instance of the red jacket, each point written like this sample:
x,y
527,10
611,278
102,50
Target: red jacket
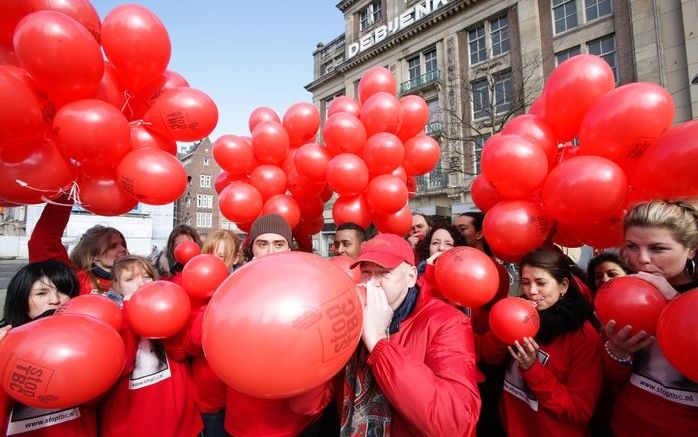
x,y
29,422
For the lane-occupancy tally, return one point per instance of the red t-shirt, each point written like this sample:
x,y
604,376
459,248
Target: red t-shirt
x,y
25,421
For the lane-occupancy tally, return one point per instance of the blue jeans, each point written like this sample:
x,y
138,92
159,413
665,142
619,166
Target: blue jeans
x,y
214,424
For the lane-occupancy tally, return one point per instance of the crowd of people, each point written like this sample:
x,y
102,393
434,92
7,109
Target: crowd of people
x,y
424,366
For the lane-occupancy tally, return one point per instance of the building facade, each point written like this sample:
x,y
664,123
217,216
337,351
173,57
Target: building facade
x,y
478,63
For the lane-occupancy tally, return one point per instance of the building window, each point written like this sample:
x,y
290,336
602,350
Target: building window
x,y
564,55
188,201
564,15
597,8
205,181
204,219
430,62
435,124
481,99
225,223
476,41
370,14
606,48
204,201
414,67
205,161
502,92
478,144
499,31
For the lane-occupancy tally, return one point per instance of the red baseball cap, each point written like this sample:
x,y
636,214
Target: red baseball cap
x,y
386,250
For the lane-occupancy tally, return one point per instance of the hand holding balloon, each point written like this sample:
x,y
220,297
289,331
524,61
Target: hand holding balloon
x,y
524,355
660,283
621,343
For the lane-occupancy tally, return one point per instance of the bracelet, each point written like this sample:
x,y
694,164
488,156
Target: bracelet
x,y
626,360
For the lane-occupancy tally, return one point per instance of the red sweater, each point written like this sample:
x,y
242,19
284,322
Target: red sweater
x,y
21,420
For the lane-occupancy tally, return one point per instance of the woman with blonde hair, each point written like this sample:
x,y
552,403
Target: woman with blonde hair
x,y
226,246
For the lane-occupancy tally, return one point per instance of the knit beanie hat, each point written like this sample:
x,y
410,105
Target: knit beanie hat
x,y
270,224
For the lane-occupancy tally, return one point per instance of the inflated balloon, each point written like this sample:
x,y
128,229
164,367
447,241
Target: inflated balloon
x,y
60,361
102,194
381,113
585,189
516,227
111,91
48,108
142,138
233,154
383,153
352,209
411,186
202,274
185,251
270,143
158,309
484,194
8,57
326,194
240,202
414,116
676,333
302,188
80,10
582,79
513,318
376,80
284,206
562,237
344,263
538,107
398,223
343,104
400,173
60,54
269,180
386,194
347,174
566,152
513,165
148,95
94,305
10,14
289,164
183,114
261,115
310,226
604,234
630,301
421,155
221,181
301,121
21,120
466,276
344,133
153,176
306,310
137,43
311,208
311,162
535,129
92,130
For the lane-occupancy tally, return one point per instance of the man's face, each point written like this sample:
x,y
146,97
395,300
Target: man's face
x,y
419,226
347,243
393,282
466,228
269,243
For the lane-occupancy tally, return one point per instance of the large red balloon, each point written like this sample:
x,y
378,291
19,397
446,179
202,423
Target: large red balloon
x,y
352,209
21,120
159,309
48,108
421,155
142,138
270,143
343,104
376,80
111,91
604,234
185,251
80,10
284,206
302,188
311,208
513,318
60,361
381,113
11,12
306,310
137,43
310,226
311,162
514,165
344,262
344,133
102,194
153,176
483,193
183,114
269,180
582,79
148,95
398,223
202,274
467,276
515,227
386,194
301,121
415,114
261,115
233,154
240,202
94,305
630,301
585,189
347,174
676,333
537,130
383,153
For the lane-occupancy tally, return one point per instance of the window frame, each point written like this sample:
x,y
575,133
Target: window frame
x,y
564,5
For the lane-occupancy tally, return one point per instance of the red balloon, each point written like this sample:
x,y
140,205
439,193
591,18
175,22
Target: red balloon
x,y
513,318
8,57
374,81
94,305
303,189
153,176
604,234
11,12
352,209
21,122
585,189
344,263
301,121
538,107
137,43
343,104
415,114
537,130
310,226
483,193
421,155
233,154
380,113
311,208
513,165
398,223
142,138
203,274
110,90
60,361
146,97
270,143
48,109
183,114
411,186
400,173
306,310
347,174
289,164
676,333
383,153
80,10
467,276
566,152
269,180
261,115
240,202
344,133
311,162
158,309
92,130
185,251
563,237
582,79
285,206
386,194
102,194
515,227
60,54
630,301
326,194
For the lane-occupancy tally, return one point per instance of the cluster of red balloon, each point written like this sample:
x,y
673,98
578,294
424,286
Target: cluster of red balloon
x,y
70,116
534,180
374,148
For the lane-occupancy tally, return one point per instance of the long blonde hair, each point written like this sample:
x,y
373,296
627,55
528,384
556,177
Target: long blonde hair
x,y
231,244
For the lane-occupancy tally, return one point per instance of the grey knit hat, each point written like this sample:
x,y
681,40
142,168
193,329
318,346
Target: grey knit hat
x,y
270,224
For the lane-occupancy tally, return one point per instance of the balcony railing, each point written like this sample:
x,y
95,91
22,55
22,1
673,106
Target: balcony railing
x,y
434,128
436,180
421,81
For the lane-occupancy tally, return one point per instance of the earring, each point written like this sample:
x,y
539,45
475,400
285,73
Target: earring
x,y
690,267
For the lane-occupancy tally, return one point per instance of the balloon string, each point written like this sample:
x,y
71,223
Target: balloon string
x,y
73,192
127,103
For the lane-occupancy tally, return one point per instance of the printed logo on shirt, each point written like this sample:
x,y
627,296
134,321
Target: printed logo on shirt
x,y
24,418
653,373
151,365
515,384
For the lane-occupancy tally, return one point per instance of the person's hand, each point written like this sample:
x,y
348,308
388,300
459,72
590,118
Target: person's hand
x,y
526,354
413,240
622,344
377,316
660,283
432,259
